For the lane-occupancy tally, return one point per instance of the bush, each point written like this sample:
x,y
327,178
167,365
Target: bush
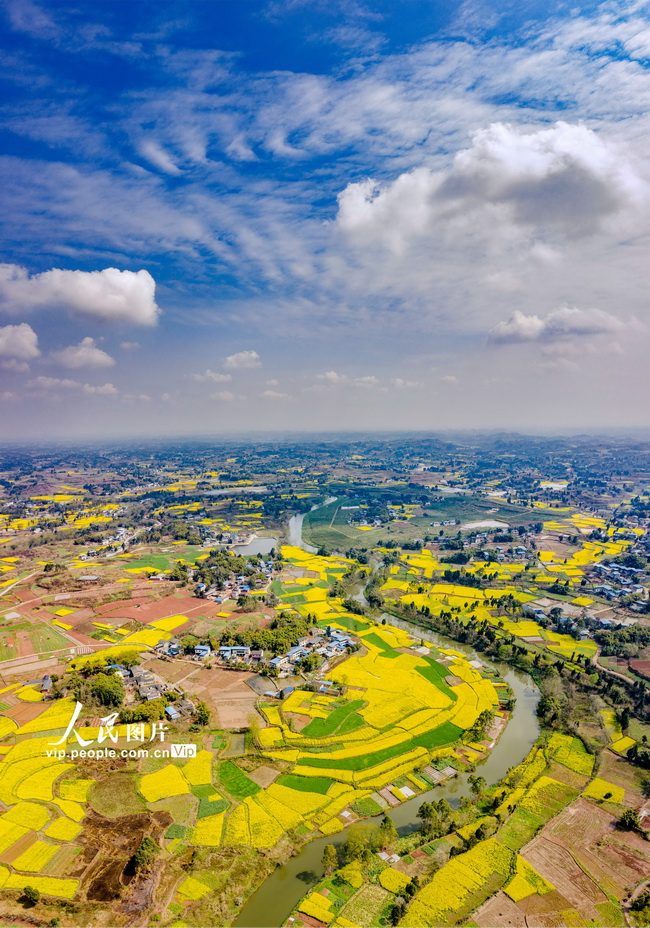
x,y
32,894
145,854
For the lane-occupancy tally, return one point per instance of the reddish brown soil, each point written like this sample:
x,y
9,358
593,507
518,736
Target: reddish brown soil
x,y
500,912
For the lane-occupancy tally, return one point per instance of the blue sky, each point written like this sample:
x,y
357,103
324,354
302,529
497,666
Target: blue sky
x,y
295,215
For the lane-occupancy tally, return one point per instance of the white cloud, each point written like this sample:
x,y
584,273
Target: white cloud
x,y
129,346
242,360
85,354
450,379
565,322
131,398
565,178
211,377
110,295
226,396
332,377
18,341
11,364
55,384
275,395
159,158
105,389
369,382
400,384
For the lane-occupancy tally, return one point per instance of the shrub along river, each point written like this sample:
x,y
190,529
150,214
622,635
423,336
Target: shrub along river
x,y
276,897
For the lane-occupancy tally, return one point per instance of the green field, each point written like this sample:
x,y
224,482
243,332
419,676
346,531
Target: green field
x,y
116,795
306,784
435,673
328,525
340,721
7,652
436,738
44,638
150,561
235,780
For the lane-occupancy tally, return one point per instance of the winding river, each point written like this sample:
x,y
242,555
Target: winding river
x,y
270,906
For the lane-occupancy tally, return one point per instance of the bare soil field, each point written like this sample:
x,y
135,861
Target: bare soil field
x,y
584,839
617,770
226,692
24,712
500,912
147,610
557,865
263,775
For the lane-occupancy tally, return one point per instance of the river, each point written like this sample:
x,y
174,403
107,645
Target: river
x,y
270,906
294,531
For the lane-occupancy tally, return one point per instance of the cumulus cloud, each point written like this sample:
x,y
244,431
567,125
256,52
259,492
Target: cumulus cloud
x,y
85,354
242,360
129,346
275,395
369,382
105,389
12,364
18,341
565,322
332,377
110,295
53,385
226,396
211,377
566,178
400,384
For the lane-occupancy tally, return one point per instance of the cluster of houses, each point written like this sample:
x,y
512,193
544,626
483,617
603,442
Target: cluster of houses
x,y
233,589
331,644
142,681
171,648
625,578
149,686
566,624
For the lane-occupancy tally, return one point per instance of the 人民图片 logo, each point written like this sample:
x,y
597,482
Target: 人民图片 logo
x,y
183,750
132,732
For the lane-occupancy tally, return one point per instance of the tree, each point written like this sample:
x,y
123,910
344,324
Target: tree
x,y
387,833
427,815
202,713
108,690
330,859
253,725
629,820
32,894
354,846
145,854
477,785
